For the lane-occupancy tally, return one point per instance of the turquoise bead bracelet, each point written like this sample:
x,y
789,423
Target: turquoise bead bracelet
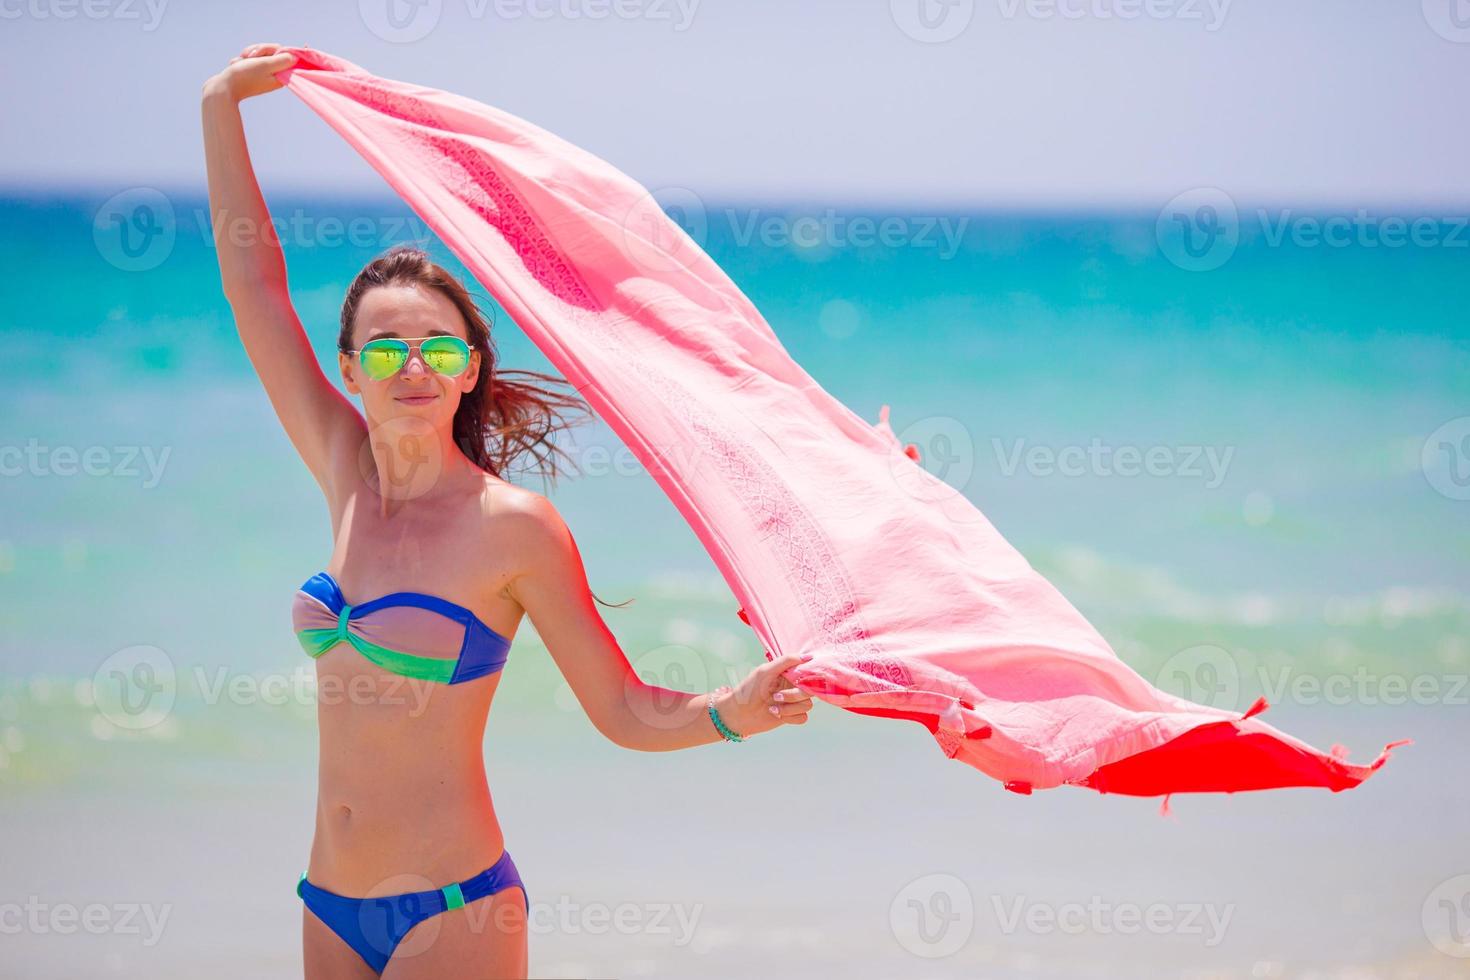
x,y
720,726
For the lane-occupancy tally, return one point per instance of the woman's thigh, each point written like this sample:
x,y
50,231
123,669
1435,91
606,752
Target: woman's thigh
x,y
324,954
484,939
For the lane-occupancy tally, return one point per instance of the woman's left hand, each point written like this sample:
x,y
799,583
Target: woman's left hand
x,y
747,708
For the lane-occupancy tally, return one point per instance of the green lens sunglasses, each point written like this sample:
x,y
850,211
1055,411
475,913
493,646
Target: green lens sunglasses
x,y
386,356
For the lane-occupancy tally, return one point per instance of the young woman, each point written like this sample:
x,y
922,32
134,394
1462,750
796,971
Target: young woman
x,y
436,558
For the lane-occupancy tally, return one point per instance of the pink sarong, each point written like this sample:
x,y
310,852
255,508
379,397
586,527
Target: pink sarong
x,y
832,538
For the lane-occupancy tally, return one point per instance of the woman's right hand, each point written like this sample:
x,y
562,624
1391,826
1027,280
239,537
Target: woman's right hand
x,y
252,71
752,706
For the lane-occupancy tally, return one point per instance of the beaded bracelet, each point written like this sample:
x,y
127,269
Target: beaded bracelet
x,y
720,726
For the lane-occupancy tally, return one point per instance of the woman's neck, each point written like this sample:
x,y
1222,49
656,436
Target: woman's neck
x,y
409,461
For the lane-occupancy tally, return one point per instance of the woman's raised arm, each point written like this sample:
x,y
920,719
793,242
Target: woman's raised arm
x,y
316,416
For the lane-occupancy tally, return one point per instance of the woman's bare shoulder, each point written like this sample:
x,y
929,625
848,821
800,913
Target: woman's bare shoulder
x,y
512,509
531,539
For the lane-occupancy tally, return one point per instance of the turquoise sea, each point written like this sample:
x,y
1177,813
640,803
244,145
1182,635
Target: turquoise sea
x,y
1251,472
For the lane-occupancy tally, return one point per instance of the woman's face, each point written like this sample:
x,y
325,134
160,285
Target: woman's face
x,y
417,390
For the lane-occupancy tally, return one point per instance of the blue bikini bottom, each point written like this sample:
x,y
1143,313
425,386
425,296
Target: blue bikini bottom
x,y
375,926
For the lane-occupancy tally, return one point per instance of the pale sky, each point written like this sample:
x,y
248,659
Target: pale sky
x,y
1343,103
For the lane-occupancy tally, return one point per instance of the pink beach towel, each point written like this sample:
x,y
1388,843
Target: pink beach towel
x,y
831,536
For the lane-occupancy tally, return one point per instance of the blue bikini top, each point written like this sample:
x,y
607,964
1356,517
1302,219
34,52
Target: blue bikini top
x,y
450,643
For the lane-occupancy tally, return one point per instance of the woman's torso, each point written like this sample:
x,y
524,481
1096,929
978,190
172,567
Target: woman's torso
x,y
401,787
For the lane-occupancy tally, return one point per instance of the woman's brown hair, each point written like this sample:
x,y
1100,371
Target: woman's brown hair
x,y
501,419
